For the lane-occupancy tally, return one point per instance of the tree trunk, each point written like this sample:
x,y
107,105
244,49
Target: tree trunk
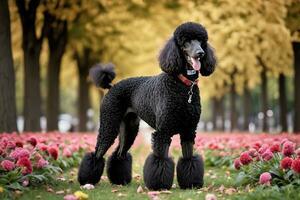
x,y
32,93
296,48
84,101
214,112
222,114
233,112
7,74
57,40
282,103
84,63
264,99
31,45
247,108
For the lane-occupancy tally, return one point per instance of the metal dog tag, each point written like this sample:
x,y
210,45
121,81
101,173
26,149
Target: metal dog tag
x,y
190,72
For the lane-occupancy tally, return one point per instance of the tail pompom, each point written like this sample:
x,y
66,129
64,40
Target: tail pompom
x,y
102,75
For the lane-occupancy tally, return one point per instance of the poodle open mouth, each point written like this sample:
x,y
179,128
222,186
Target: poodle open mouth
x,y
194,62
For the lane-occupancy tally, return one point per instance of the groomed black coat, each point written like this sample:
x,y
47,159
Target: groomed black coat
x,y
161,101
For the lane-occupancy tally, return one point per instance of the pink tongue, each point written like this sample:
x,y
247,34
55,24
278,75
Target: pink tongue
x,y
196,64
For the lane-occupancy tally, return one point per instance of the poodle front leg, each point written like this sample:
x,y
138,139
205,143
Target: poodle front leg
x,y
159,167
190,168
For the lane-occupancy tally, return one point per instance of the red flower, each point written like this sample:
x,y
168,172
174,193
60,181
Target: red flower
x,y
267,155
26,164
32,141
296,165
265,178
42,147
237,163
288,148
19,143
257,145
245,158
275,148
7,165
286,163
53,151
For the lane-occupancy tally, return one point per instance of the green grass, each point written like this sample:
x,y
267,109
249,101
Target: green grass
x,y
218,181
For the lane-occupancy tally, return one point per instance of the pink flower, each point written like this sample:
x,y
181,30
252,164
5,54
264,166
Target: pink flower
x,y
25,183
297,152
53,151
7,165
26,164
41,163
263,148
67,152
265,178
11,145
288,148
32,141
19,153
245,158
1,151
275,148
296,165
286,163
252,152
42,147
210,197
267,155
237,163
70,197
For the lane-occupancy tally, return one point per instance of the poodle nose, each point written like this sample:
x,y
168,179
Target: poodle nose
x,y
200,53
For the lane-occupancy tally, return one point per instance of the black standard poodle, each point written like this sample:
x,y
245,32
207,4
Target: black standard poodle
x,y
168,102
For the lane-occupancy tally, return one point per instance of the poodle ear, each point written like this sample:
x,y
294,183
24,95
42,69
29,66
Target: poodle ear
x,y
208,62
170,59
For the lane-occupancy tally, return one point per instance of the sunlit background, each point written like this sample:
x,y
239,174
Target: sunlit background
x,y
252,89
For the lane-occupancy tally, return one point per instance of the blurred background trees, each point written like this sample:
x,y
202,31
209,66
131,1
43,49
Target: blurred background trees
x,y
56,42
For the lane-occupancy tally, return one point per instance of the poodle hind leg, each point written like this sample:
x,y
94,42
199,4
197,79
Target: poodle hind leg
x,y
190,168
159,167
92,164
119,164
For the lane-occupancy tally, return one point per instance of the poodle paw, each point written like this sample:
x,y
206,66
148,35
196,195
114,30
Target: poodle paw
x,y
190,172
90,169
119,169
158,172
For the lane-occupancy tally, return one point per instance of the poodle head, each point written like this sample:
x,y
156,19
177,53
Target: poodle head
x,y
187,52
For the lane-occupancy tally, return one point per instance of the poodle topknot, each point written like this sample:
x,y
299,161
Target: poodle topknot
x,y
168,102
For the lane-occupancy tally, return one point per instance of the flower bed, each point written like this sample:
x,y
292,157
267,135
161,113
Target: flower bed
x,y
276,163
35,158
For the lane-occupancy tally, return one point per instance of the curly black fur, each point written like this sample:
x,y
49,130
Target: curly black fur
x,y
158,172
102,75
190,172
161,101
119,169
91,169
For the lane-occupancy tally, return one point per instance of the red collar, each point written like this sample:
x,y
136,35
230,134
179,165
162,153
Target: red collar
x,y
187,81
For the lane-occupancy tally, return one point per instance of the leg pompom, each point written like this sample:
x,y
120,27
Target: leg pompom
x,y
190,172
158,172
119,169
90,169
